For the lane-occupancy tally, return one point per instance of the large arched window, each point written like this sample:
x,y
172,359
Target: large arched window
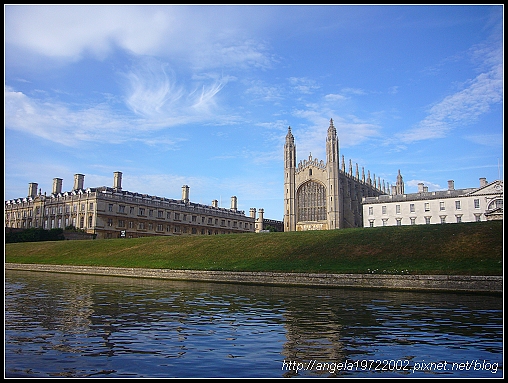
x,y
495,204
311,197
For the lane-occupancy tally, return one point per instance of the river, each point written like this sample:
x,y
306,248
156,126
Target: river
x,y
70,325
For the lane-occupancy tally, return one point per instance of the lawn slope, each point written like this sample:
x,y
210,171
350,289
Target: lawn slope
x,y
453,249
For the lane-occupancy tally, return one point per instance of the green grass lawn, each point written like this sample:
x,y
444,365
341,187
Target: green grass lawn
x,y
453,249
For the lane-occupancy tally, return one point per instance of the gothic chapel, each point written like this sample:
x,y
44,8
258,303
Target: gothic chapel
x,y
323,196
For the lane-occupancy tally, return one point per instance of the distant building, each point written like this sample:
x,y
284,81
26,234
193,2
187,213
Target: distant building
x,y
110,212
324,196
424,207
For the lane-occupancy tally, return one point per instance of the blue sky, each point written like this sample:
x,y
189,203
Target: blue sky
x,y
203,96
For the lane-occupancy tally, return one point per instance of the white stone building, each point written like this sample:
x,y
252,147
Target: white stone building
x,y
424,207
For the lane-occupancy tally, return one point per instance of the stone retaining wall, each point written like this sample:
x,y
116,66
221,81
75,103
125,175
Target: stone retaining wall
x,y
484,284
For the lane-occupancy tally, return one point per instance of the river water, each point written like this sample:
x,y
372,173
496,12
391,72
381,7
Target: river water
x,y
64,325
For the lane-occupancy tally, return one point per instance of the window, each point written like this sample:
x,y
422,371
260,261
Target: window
x,y
427,220
457,205
441,205
110,207
194,218
141,211
159,227
150,226
121,208
131,225
311,202
110,222
427,206
385,222
121,223
443,218
399,222
131,210
397,209
150,212
177,216
371,210
90,221
168,215
459,218
412,207
91,205
478,217
371,223
160,214
476,203
495,204
383,210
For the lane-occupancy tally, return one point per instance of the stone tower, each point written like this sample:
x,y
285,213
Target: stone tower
x,y
332,169
289,182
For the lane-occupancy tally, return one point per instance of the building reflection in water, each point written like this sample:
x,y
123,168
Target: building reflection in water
x,y
205,324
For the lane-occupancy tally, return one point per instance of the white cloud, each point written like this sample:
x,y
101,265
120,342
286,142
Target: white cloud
x,y
207,37
461,108
492,140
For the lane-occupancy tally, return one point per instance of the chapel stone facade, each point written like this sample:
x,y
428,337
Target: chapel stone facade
x,y
322,195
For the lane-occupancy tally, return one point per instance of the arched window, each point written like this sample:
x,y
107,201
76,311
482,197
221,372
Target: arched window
x,y
311,197
495,204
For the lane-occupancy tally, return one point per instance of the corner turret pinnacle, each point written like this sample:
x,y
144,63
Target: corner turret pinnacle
x,y
289,136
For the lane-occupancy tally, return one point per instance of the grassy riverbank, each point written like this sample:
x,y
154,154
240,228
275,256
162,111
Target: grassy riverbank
x,y
453,249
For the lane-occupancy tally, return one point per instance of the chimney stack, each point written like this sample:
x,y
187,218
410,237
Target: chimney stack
x,y
420,187
451,185
483,182
117,181
215,203
185,193
234,205
79,180
32,189
253,212
57,185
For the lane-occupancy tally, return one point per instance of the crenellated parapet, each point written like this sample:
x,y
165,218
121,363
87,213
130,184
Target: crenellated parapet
x,y
304,164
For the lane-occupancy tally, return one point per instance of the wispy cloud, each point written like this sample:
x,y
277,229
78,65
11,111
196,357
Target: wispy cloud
x,y
465,106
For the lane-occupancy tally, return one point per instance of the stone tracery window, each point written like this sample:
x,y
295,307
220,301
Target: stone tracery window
x,y
311,198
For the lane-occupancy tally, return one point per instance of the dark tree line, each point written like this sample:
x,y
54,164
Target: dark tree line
x,y
34,235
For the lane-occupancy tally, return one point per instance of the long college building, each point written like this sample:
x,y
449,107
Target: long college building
x,y
446,206
322,195
110,212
